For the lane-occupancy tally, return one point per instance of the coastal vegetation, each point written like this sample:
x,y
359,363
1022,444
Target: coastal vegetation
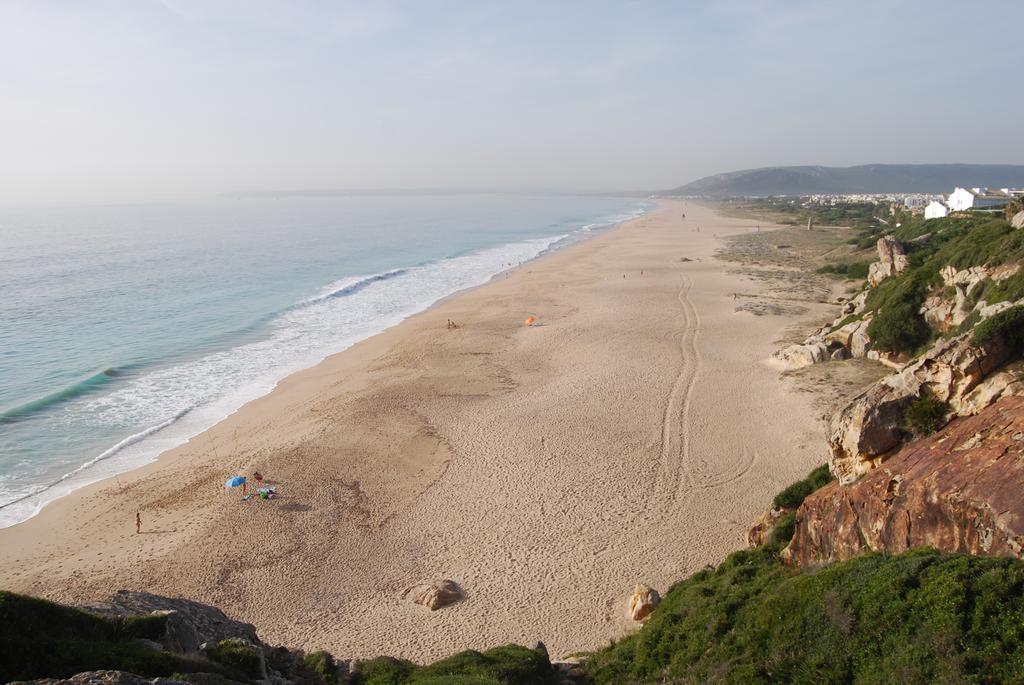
x,y
509,665
919,617
794,495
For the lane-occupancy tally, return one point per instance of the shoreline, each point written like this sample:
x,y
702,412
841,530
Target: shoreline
x,y
572,460
67,484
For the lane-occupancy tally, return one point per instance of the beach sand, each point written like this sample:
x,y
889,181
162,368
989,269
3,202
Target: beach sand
x,y
631,435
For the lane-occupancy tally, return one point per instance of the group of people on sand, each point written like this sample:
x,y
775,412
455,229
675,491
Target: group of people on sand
x,y
256,476
452,324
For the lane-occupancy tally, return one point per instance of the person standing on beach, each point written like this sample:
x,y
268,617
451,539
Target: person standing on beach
x,y
138,522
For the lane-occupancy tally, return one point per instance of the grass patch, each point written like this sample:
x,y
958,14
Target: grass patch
x,y
848,320
323,664
793,496
1008,325
848,270
509,665
236,655
920,617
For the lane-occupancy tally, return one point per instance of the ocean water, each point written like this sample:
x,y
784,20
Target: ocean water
x,y
127,329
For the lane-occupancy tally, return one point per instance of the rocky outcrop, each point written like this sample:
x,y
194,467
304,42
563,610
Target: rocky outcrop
x,y
199,633
869,429
434,595
832,341
760,530
189,624
866,430
892,260
944,311
1018,220
102,678
643,602
799,356
957,491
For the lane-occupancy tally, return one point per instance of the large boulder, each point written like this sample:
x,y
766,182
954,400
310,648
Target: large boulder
x,y
642,602
892,260
799,356
957,491
852,336
1018,220
869,428
434,595
866,430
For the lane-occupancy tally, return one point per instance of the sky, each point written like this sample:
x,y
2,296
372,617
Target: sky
x,y
147,100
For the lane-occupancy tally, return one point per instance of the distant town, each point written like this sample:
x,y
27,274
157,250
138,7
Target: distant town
x,y
933,206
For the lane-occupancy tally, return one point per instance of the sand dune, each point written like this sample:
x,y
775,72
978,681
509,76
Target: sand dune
x,y
631,435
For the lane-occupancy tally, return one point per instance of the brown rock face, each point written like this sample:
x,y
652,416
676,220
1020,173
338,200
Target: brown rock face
x,y
434,595
760,530
958,490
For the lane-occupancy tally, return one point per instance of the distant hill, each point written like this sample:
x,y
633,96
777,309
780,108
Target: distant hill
x,y
869,178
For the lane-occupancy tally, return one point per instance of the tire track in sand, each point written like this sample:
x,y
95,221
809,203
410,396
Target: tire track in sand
x,y
677,469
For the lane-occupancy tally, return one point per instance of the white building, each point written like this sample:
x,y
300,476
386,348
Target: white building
x,y
962,199
936,209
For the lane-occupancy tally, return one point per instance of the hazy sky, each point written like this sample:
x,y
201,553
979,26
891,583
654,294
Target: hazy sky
x,y
183,98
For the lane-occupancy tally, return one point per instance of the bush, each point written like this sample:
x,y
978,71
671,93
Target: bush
x,y
849,270
925,415
509,665
919,617
783,531
793,496
236,655
322,663
899,327
1008,325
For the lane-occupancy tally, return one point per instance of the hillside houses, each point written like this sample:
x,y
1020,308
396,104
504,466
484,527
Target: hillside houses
x,y
966,199
962,199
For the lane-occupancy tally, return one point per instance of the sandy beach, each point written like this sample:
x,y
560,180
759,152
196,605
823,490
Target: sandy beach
x,y
630,436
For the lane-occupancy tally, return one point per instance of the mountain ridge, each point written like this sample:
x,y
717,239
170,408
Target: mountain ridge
x,y
865,178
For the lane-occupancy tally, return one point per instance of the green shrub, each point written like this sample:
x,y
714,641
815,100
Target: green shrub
x,y
322,663
794,495
1008,290
1008,325
925,415
899,327
783,531
509,665
236,655
919,617
849,270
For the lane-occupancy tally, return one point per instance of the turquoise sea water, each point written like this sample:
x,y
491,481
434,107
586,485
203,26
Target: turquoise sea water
x,y
125,330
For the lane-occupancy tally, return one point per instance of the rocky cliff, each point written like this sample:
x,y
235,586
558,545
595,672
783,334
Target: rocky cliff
x,y
958,490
